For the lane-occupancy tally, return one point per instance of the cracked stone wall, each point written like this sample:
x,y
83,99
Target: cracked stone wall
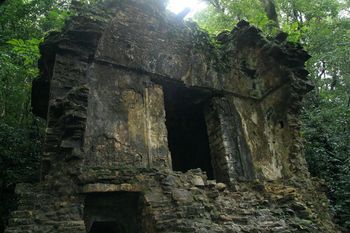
x,y
125,120
102,87
106,103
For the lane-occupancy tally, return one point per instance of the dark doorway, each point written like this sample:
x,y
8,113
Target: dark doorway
x,y
187,130
105,227
117,212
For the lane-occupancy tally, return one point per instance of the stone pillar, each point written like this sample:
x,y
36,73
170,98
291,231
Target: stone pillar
x,y
156,131
230,153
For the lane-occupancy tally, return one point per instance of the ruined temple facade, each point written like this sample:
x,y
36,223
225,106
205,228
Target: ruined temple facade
x,y
153,127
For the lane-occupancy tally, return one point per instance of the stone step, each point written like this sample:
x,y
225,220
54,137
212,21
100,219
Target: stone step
x,y
18,231
22,214
20,221
21,229
72,226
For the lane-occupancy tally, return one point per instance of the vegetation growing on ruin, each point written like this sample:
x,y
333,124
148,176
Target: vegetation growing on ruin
x,y
322,27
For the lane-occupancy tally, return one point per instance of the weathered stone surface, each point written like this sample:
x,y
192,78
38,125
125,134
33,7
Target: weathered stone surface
x,y
175,208
103,188
197,181
122,75
107,93
220,186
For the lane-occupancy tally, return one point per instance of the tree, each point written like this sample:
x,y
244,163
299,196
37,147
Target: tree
x,y
23,24
270,10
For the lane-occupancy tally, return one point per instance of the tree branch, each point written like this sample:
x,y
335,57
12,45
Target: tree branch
x,y
218,6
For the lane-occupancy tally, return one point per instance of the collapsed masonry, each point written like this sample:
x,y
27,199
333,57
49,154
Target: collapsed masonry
x,y
151,127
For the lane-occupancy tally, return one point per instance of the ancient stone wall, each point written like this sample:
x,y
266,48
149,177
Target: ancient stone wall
x,y
108,80
136,100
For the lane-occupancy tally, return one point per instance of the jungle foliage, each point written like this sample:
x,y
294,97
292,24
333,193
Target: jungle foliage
x,y
23,25
323,28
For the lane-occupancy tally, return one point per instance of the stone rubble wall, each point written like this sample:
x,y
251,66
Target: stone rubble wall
x,y
176,202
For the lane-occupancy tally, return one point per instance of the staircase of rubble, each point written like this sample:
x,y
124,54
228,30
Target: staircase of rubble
x,y
22,220
253,213
242,212
195,209
39,208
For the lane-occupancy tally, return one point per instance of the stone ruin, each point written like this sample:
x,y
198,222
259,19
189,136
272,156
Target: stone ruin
x,y
153,127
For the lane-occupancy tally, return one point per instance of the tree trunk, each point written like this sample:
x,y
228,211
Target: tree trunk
x,y
270,10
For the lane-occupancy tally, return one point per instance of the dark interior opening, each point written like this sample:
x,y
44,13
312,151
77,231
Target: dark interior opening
x,y
187,131
117,212
105,227
281,124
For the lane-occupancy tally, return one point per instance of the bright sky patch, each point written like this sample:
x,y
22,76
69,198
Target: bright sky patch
x,y
177,6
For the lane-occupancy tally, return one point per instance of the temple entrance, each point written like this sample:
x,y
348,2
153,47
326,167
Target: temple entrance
x,y
117,212
105,227
187,130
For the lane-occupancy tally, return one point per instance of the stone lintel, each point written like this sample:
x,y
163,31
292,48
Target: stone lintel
x,y
105,188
